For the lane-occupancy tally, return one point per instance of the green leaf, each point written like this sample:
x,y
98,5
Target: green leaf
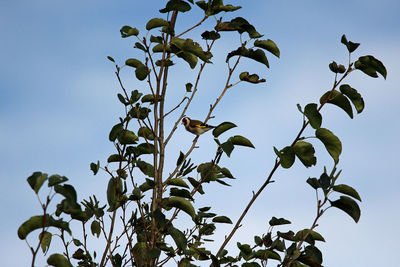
x,y
324,180
180,193
180,158
177,182
196,184
95,228
178,236
227,173
349,206
36,180
314,183
268,45
286,156
145,133
244,248
94,167
141,72
127,137
183,204
313,115
257,55
66,190
177,5
314,235
139,253
305,152
58,260
46,240
114,191
127,31
115,158
239,140
111,59
56,179
240,25
145,167
265,254
215,7
222,219
188,45
210,35
312,257
334,67
155,23
251,78
115,132
223,127
370,66
189,87
354,96
347,190
338,99
351,47
227,147
331,143
38,222
140,46
275,221
251,264
149,184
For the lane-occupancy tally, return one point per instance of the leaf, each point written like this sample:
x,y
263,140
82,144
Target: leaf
x,y
189,87
370,66
145,167
177,182
196,184
127,137
95,228
227,173
215,7
36,180
140,46
351,47
38,222
268,45
94,167
314,183
56,179
275,221
58,260
338,99
314,235
183,204
178,236
111,59
347,190
127,31
331,143
251,78
141,72
240,25
145,133
239,140
244,248
210,35
305,152
114,190
354,96
155,23
115,158
227,147
257,55
223,127
46,240
188,45
177,5
313,115
180,158
286,156
180,193
149,184
349,206
324,181
265,254
221,219
115,132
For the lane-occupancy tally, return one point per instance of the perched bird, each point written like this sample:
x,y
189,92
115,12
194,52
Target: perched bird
x,y
196,127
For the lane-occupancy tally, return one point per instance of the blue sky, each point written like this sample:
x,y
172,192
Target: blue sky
x,y
58,103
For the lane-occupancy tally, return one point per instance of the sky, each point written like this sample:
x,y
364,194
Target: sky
x,y
58,103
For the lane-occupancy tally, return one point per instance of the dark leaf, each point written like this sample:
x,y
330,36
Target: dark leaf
x,y
56,179
140,46
58,260
265,254
313,115
46,240
95,228
240,141
180,158
324,181
227,147
351,47
338,99
145,167
115,132
240,25
347,190
94,167
370,66
210,35
216,6
187,45
257,55
286,156
331,143
314,183
268,45
180,193
145,133
176,5
127,137
275,221
38,222
305,152
36,180
349,206
127,31
223,127
251,78
183,204
155,23
189,87
354,96
300,235
178,236
222,219
111,59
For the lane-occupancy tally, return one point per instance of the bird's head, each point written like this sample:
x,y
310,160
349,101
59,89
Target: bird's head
x,y
185,121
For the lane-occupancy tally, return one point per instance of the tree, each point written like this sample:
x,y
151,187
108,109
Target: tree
x,y
145,196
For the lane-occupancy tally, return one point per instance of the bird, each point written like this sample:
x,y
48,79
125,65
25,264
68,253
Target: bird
x,y
195,126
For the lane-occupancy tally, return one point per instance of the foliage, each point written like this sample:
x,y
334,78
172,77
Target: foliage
x,y
146,200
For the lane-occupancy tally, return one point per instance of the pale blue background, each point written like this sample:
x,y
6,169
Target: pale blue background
x,y
57,104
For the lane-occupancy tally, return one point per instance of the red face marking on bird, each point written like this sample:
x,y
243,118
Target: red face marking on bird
x,y
185,121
